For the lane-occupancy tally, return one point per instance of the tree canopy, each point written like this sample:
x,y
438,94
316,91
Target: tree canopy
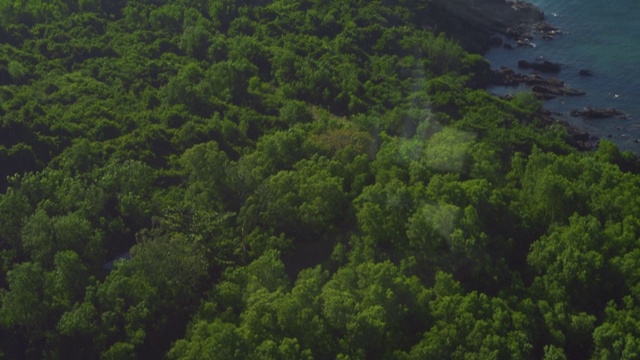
x,y
303,179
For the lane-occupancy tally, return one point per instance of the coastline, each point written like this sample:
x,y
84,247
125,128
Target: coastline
x,y
480,25
524,21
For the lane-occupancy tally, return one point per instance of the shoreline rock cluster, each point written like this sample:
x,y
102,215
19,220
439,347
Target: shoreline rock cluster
x,y
597,113
577,137
510,24
545,89
513,21
550,88
521,31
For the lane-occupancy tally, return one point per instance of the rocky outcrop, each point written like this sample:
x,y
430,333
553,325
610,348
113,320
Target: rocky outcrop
x,y
497,16
548,32
597,113
552,90
507,77
516,21
576,137
545,66
480,20
544,88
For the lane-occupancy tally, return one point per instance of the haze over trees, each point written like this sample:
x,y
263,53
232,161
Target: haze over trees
x,y
294,179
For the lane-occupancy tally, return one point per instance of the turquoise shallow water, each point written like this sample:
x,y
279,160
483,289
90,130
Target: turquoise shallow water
x,y
604,37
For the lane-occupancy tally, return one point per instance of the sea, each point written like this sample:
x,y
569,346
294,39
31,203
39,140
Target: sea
x,y
600,36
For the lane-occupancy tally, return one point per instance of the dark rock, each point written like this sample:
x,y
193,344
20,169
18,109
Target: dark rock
x,y
580,135
556,90
495,41
585,72
577,137
555,82
545,66
507,69
597,113
507,46
545,28
545,89
548,32
546,118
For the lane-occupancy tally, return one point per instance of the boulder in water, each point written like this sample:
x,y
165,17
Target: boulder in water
x,y
545,66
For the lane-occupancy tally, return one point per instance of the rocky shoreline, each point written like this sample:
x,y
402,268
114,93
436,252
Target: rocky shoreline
x,y
545,89
506,23
525,20
479,25
483,24
576,137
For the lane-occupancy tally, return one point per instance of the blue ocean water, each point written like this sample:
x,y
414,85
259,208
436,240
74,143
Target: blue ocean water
x,y
604,37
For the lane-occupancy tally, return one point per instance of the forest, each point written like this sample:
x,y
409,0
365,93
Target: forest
x,y
295,179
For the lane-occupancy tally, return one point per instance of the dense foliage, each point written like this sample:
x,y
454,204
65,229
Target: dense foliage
x,y
294,179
